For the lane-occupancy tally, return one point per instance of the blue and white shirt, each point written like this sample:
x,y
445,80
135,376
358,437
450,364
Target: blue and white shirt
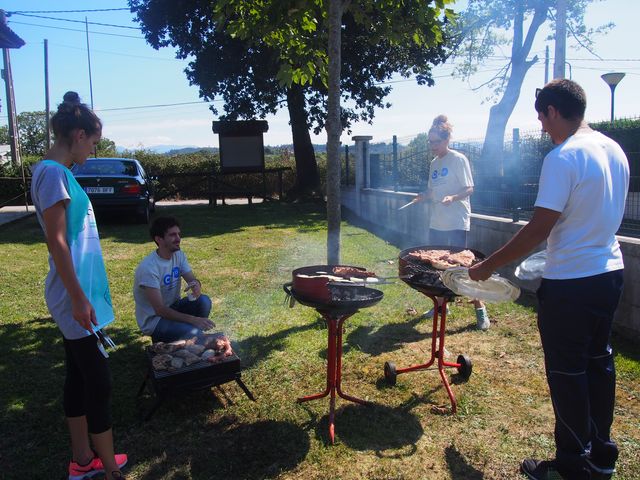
x,y
164,275
51,183
448,176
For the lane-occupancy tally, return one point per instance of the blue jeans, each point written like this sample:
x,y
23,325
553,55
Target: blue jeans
x,y
448,238
171,330
574,319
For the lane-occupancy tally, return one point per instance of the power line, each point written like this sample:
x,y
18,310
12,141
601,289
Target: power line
x,y
80,21
155,106
120,54
69,11
76,30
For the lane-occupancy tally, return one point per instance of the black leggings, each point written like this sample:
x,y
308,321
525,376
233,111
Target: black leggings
x,y
87,387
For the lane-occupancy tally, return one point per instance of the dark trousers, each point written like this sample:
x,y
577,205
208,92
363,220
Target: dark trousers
x,y
171,330
87,386
448,238
574,319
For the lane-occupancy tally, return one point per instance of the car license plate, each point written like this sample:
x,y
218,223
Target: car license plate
x,y
98,189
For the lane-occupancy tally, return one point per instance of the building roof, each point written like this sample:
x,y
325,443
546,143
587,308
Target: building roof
x,y
8,39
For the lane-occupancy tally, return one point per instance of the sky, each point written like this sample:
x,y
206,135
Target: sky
x,y
144,99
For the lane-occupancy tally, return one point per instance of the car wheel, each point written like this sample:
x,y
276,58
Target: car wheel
x,y
145,215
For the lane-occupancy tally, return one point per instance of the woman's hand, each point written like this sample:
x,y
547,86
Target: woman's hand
x,y
449,199
83,312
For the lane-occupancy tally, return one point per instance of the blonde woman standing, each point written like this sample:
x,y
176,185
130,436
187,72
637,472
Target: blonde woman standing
x,y
449,187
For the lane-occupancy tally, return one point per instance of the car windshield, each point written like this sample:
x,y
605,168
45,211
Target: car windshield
x,y
103,167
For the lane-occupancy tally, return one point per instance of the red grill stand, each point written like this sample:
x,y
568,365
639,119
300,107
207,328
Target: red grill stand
x,y
335,322
463,363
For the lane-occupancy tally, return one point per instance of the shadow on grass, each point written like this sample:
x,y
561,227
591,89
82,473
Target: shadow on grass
x,y
374,427
260,450
31,377
458,466
394,336
257,348
31,383
388,338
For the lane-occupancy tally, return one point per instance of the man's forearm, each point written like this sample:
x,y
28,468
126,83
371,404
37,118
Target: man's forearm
x,y
171,314
527,238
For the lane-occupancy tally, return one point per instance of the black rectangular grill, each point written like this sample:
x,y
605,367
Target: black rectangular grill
x,y
197,376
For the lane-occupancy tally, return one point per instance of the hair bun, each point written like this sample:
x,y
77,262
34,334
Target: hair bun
x,y
71,97
440,120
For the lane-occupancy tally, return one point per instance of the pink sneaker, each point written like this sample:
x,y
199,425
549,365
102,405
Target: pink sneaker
x,y
94,467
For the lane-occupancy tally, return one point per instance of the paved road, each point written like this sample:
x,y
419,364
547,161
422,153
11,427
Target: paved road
x,y
13,213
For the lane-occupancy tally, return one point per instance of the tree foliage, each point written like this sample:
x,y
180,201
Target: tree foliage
x,y
257,55
488,26
32,132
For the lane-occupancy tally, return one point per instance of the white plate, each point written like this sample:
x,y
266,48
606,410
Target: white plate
x,y
494,289
532,267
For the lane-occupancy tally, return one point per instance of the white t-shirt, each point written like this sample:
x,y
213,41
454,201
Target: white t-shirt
x,y
165,275
586,178
448,176
52,182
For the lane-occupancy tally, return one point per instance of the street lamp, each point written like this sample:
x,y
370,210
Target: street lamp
x,y
612,79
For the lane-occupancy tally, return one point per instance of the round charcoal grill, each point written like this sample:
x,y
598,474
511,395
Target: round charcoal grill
x,y
422,276
336,305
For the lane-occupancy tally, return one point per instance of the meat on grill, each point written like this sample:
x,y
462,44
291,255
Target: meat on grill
x,y
161,361
443,259
345,271
175,355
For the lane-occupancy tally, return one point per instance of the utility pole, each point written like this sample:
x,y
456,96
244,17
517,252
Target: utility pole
x,y
561,39
11,109
46,91
546,65
86,25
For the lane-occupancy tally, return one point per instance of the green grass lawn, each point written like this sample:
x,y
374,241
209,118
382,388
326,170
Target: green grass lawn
x,y
243,255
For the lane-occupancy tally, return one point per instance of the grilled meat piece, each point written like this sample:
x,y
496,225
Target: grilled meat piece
x,y
352,272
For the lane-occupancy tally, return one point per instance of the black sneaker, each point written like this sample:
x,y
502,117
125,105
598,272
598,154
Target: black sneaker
x,y
539,470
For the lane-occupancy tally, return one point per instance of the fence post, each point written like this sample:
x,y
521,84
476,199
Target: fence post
x,y
516,179
346,165
395,163
362,169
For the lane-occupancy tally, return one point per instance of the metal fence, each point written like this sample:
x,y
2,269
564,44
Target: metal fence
x,y
507,186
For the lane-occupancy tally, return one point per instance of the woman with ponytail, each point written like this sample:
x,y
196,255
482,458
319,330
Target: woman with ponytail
x,y
76,288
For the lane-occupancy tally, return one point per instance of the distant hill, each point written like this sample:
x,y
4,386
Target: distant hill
x,y
183,149
169,149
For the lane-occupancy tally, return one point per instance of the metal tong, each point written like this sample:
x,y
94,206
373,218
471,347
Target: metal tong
x,y
104,340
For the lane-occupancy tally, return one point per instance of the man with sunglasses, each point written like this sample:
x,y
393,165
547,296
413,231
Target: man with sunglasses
x,y
581,199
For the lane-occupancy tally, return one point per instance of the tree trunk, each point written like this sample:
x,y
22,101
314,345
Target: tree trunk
x,y
499,114
334,129
307,178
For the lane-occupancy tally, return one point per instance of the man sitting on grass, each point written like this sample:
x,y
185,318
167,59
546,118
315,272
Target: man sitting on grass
x,y
160,311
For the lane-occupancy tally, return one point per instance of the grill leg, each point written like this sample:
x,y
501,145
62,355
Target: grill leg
x,y
441,361
245,389
339,366
155,406
144,383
